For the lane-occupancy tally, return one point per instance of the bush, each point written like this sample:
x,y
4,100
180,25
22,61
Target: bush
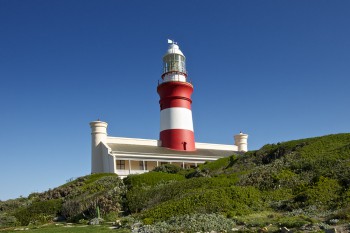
x,y
38,212
111,216
168,168
236,200
150,179
324,194
293,222
8,221
12,204
79,186
104,193
144,197
148,221
192,223
343,213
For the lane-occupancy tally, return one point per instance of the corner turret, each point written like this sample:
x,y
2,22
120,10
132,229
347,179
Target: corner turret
x,y
241,141
98,136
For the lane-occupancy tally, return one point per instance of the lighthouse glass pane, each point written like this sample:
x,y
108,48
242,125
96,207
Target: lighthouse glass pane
x,y
174,62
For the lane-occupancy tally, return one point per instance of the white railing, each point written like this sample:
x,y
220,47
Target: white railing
x,y
127,172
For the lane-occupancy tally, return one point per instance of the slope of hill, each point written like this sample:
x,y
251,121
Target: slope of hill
x,y
297,182
301,184
73,201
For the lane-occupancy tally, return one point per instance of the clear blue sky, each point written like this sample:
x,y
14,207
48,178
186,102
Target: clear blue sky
x,y
277,70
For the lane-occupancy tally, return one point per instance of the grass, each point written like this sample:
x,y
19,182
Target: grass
x,y
272,220
50,228
291,184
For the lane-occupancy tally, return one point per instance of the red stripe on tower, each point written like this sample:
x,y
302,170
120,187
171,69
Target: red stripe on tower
x,y
176,126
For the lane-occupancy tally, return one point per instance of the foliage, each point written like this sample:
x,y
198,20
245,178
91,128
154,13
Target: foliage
x,y
325,193
8,220
76,186
215,168
220,164
315,169
284,184
104,193
192,223
75,200
343,213
237,200
267,218
38,212
144,197
168,168
12,204
63,228
150,179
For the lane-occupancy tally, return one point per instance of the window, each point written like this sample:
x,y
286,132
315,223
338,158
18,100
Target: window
x,y
121,164
141,165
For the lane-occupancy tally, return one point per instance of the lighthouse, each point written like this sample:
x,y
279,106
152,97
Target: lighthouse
x,y
176,144
176,125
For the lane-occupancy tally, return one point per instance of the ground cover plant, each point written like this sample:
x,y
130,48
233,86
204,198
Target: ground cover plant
x,y
73,201
302,184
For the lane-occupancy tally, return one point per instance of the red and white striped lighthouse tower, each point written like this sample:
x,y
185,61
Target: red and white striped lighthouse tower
x,y
176,125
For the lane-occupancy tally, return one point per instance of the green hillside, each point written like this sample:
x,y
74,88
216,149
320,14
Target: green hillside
x,y
301,184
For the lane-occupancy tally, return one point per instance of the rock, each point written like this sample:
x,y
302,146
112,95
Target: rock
x,y
117,222
95,221
285,230
262,230
59,219
332,230
308,227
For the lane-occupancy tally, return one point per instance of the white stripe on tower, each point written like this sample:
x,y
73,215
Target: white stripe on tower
x,y
176,118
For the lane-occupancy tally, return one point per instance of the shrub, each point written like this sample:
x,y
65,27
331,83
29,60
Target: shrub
x,y
214,168
192,223
38,212
343,213
8,221
12,204
325,194
196,173
104,193
144,197
79,186
293,222
240,200
150,179
111,216
148,221
168,168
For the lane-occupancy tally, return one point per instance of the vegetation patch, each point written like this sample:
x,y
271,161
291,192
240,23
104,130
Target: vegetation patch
x,y
302,184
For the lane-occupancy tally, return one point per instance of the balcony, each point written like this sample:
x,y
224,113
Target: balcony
x,y
128,172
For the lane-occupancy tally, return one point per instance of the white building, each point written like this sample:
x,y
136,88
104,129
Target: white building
x,y
125,156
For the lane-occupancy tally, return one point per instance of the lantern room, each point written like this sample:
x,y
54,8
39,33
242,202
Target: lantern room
x,y
174,64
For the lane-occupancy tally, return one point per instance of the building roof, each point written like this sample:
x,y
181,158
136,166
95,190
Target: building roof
x,y
142,151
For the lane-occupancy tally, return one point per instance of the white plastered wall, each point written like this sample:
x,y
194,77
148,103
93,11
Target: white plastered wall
x,y
108,159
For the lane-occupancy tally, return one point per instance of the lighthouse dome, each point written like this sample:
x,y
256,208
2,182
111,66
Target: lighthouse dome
x,y
174,49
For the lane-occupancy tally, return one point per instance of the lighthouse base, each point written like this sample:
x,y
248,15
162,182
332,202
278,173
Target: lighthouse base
x,y
178,139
